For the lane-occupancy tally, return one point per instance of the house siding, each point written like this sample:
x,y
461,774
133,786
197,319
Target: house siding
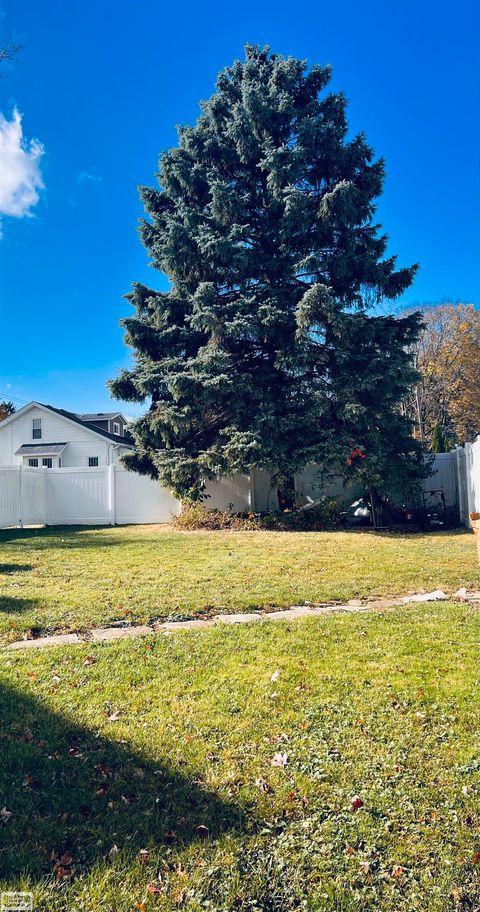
x,y
81,444
103,425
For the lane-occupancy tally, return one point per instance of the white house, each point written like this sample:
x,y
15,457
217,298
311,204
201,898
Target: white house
x,y
40,435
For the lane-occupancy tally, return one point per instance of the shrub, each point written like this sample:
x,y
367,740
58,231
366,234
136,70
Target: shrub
x,y
327,515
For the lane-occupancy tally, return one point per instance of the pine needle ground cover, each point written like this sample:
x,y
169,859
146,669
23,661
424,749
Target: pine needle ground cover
x,y
71,579
326,764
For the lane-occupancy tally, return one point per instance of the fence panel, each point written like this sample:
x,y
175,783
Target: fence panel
x,y
472,464
9,497
445,477
462,484
232,493
78,497
33,496
138,499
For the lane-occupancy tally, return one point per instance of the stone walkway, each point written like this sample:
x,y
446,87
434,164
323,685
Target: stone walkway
x,y
100,634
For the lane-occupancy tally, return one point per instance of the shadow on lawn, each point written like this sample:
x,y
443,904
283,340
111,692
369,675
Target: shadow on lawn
x,y
75,795
15,568
60,537
11,604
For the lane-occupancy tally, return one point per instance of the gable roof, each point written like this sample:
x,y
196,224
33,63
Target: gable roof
x,y
116,438
101,416
126,440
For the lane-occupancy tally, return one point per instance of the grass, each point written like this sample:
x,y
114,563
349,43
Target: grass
x,y
70,579
166,746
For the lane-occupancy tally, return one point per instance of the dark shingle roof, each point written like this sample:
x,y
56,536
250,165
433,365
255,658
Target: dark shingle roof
x,y
126,440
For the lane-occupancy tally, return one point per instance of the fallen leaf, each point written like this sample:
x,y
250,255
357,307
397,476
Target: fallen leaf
x,y
280,759
90,660
397,871
275,676
5,815
30,782
143,856
114,717
113,851
74,752
356,803
66,858
262,785
32,675
202,831
63,873
153,889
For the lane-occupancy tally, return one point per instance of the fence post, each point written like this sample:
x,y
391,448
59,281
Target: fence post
x,y
468,479
45,495
251,490
20,496
111,493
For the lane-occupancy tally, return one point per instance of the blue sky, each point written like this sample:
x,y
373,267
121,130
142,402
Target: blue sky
x,y
102,85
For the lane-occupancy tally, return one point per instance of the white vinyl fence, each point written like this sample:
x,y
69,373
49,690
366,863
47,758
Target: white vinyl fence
x,y
81,496
111,495
467,461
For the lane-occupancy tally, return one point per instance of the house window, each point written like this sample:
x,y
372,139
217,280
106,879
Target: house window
x,y
47,462
33,463
93,461
37,429
116,428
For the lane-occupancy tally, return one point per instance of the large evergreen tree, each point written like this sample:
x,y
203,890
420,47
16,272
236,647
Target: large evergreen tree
x,y
263,353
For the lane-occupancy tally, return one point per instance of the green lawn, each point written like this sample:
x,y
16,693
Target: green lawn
x,y
167,746
69,579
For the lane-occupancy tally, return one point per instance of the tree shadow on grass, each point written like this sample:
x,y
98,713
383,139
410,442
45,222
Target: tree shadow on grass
x,y
11,604
59,537
74,795
15,568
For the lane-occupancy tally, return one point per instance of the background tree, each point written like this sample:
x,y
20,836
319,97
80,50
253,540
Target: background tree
x,y
445,404
6,409
8,51
262,353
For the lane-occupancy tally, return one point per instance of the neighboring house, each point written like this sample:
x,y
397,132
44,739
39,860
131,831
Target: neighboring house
x,y
44,436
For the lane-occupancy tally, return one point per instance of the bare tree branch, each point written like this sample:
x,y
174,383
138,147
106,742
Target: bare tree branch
x,y
8,51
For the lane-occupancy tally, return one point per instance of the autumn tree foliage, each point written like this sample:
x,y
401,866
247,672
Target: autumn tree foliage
x,y
266,351
6,409
445,404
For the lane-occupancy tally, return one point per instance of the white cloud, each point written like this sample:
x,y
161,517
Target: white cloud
x,y
20,175
91,176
